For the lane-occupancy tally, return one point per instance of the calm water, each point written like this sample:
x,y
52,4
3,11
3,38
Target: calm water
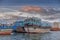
x,y
45,36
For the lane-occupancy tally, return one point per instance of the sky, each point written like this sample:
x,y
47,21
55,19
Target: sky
x,y
29,2
51,8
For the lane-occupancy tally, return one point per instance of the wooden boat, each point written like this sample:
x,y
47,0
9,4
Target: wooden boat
x,y
31,25
55,29
56,26
5,31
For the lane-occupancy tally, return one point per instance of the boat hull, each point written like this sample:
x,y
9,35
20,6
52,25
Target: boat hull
x,y
55,29
5,31
36,30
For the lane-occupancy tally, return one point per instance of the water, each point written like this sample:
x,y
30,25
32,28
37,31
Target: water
x,y
26,36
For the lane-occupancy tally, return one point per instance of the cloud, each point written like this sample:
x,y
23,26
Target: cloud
x,y
51,13
47,13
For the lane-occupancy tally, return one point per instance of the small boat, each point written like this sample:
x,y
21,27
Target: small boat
x,y
31,25
56,26
5,31
55,29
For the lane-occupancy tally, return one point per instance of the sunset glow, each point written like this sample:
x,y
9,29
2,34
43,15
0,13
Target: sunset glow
x,y
31,8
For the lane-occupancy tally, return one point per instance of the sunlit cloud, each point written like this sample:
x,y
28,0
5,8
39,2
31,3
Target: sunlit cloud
x,y
50,14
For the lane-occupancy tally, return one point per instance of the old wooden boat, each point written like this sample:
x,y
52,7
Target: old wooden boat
x,y
5,31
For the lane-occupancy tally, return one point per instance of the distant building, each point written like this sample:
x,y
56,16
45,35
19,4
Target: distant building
x,y
56,25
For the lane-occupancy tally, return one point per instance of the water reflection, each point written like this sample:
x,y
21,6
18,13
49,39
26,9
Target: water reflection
x,y
26,36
